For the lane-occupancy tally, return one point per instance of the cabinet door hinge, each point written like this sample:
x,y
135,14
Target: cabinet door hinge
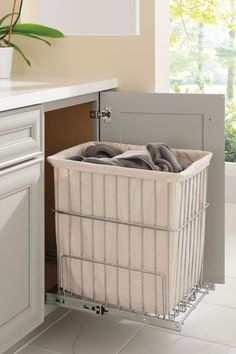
x,y
105,114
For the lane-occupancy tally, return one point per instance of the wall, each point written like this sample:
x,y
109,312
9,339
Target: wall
x,y
131,59
5,7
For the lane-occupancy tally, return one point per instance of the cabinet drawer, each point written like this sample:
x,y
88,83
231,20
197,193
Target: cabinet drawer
x,y
20,132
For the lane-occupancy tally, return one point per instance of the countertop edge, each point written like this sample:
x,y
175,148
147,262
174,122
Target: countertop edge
x,y
15,99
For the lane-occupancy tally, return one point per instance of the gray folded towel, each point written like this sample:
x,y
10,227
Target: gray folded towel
x,y
101,150
163,156
98,151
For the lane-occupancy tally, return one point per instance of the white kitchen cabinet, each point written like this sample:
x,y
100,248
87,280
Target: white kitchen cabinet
x,y
21,223
22,251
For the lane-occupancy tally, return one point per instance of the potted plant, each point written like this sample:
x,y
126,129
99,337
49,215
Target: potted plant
x,y
9,31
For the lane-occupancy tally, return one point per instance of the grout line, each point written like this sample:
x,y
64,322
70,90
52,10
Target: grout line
x,y
129,340
43,331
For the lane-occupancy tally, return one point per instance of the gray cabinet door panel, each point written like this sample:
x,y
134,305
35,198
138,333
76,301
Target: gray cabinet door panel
x,y
188,121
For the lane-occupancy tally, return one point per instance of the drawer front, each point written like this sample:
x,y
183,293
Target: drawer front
x,y
20,135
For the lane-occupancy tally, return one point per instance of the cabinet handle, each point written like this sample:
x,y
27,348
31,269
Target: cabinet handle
x,y
21,159
21,165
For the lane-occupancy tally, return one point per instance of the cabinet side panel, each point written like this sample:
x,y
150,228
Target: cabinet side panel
x,y
64,128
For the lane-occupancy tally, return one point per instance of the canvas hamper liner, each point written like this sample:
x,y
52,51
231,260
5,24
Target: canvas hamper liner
x,y
130,240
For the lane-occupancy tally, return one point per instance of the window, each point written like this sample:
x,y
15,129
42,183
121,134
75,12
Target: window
x,y
203,54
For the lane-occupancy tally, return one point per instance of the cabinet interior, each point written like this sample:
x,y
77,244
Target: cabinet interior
x,y
64,128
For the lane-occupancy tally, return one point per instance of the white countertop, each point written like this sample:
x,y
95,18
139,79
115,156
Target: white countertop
x,y
23,91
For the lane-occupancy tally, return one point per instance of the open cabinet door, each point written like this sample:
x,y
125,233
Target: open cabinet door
x,y
187,121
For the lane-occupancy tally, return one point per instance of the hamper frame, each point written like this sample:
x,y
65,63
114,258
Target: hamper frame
x,y
174,318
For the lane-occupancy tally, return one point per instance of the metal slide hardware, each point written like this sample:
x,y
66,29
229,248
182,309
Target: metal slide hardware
x,y
105,114
97,309
74,302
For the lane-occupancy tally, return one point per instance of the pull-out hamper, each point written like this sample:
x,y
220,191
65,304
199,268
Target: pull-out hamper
x,y
127,238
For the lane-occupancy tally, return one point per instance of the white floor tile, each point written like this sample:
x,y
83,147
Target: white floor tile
x,y
86,334
149,339
153,341
224,294
48,321
213,323
49,308
233,344
232,351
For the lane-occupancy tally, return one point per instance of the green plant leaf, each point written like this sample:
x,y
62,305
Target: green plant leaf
x,y
18,50
4,30
32,36
38,30
6,17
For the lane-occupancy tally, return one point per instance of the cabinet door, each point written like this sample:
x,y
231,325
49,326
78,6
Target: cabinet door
x,y
21,251
183,121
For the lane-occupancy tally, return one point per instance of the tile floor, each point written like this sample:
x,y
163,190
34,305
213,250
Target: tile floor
x,y
211,329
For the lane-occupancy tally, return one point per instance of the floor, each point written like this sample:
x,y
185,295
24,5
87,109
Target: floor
x,y
211,329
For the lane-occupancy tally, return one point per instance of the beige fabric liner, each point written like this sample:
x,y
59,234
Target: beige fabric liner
x,y
136,196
